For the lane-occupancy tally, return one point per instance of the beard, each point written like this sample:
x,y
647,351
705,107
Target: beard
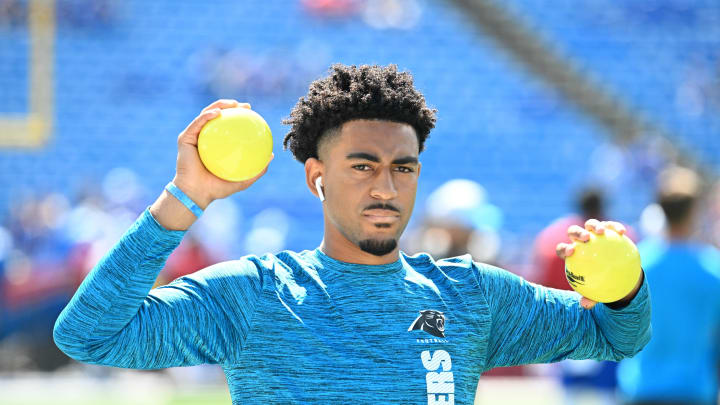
x,y
377,247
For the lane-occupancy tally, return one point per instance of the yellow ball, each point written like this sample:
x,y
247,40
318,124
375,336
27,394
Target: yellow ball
x,y
236,145
605,269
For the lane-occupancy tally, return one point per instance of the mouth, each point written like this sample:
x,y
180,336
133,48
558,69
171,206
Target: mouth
x,y
378,216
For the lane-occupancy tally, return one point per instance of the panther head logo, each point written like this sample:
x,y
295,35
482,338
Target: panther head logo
x,y
431,321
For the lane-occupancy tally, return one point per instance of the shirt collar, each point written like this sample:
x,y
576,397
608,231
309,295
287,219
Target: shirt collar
x,y
338,266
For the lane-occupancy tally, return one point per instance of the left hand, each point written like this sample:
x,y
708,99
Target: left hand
x,y
578,234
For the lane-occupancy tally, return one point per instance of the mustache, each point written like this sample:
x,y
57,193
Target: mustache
x,y
379,206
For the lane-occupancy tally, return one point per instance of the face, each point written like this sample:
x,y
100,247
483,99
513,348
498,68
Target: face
x,y
369,174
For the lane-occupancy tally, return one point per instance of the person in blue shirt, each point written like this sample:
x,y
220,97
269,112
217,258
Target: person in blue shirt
x,y
681,365
354,320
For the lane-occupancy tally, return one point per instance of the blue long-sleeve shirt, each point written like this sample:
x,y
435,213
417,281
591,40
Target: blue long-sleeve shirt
x,y
305,328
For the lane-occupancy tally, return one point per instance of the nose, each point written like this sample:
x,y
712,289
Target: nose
x,y
383,188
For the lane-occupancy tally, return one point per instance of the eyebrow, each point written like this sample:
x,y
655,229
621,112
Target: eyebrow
x,y
367,156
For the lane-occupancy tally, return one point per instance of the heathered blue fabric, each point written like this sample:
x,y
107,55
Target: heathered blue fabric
x,y
682,362
303,328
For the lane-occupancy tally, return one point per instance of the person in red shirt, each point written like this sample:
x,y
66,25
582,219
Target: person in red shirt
x,y
548,268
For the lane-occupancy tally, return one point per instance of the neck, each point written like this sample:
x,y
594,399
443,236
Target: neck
x,y
337,246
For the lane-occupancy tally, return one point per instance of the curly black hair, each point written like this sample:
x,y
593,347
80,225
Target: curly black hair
x,y
351,92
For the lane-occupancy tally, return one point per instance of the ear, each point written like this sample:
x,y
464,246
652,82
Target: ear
x,y
418,168
314,169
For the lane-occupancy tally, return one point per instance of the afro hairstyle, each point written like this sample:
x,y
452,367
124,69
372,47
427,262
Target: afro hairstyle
x,y
352,92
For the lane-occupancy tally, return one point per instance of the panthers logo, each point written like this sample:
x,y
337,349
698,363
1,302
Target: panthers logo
x,y
431,321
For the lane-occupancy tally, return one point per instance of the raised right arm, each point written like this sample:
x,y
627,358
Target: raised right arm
x,y
116,319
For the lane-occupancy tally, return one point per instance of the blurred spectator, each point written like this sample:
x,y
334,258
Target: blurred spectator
x,y
392,14
548,268
5,249
331,8
87,13
710,222
458,220
680,364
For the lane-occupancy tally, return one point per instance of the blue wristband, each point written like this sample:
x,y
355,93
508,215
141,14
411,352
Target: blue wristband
x,y
184,199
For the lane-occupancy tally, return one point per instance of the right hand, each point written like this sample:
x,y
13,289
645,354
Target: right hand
x,y
191,176
582,235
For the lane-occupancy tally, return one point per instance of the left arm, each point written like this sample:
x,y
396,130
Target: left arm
x,y
534,324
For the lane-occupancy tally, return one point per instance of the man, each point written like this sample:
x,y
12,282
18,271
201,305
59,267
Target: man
x,y
681,364
355,320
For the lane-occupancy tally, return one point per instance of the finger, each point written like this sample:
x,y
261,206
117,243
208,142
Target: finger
x,y
564,250
190,134
600,229
576,233
616,226
587,303
595,226
245,105
223,103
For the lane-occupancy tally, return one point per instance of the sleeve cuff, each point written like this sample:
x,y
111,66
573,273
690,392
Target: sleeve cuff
x,y
638,299
148,225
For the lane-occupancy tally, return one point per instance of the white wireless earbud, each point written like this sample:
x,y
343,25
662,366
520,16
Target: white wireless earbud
x,y
318,187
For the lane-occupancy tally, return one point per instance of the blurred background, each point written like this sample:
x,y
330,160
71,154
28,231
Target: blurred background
x,y
548,113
